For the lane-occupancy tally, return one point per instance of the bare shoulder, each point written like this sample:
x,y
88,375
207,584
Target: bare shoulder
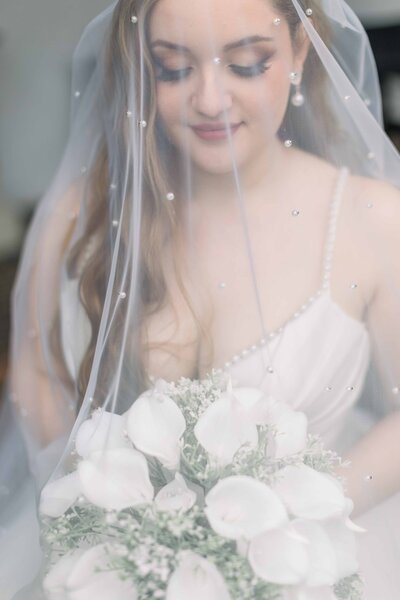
x,y
372,202
315,169
313,180
384,196
374,211
380,197
378,204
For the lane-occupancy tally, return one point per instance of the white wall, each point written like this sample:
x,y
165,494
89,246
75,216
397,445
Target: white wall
x,y
37,38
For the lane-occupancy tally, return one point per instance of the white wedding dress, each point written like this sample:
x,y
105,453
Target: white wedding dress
x,y
321,358
325,382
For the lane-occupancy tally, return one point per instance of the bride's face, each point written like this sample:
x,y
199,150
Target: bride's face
x,y
223,85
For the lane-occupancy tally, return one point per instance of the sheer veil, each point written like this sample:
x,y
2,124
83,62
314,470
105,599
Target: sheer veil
x,y
227,204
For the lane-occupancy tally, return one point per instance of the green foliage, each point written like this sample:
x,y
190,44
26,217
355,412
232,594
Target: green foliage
x,y
349,588
145,544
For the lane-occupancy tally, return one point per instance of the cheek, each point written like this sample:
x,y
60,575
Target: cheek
x,y
280,99
164,107
272,98
266,107
169,106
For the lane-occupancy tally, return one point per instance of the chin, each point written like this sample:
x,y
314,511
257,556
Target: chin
x,y
219,162
212,158
212,166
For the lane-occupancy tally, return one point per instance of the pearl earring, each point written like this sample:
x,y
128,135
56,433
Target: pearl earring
x,y
297,98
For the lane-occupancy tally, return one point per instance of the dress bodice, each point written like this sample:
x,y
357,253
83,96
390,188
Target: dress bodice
x,y
318,360
320,365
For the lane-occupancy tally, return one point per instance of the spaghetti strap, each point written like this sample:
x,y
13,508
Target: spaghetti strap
x,y
332,227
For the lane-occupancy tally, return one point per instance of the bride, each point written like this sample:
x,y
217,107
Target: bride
x,y
227,201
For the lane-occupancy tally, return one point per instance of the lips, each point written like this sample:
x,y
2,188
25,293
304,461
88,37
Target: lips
x,y
216,131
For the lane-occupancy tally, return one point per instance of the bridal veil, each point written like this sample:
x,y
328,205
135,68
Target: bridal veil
x,y
226,204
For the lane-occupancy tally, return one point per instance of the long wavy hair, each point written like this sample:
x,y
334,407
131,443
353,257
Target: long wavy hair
x,y
160,220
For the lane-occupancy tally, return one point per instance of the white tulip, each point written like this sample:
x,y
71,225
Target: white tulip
x,y
91,577
309,494
155,425
198,579
59,495
279,556
228,424
175,496
290,435
242,507
322,559
116,479
102,431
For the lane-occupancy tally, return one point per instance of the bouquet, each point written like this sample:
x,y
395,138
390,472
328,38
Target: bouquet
x,y
199,490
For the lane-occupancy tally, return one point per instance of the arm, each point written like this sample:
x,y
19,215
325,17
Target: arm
x,y
374,474
41,392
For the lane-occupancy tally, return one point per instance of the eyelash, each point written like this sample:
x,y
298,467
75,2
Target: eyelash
x,y
172,75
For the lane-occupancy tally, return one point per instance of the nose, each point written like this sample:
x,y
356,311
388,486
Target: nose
x,y
210,98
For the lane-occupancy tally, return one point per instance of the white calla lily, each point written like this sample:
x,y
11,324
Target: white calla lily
x,y
279,556
228,424
56,596
349,523
242,547
104,430
241,507
155,425
197,578
322,569
263,409
59,495
310,494
91,577
116,479
290,430
55,581
175,496
248,398
300,592
344,545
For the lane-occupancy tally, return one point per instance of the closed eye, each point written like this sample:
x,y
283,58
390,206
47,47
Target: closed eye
x,y
253,70
164,74
173,75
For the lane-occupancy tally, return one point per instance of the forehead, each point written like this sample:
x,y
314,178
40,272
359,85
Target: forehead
x,y
214,22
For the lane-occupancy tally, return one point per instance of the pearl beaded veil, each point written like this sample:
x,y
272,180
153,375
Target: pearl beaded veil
x,y
226,176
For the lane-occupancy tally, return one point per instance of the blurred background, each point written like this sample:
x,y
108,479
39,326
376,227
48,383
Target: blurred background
x,y
37,39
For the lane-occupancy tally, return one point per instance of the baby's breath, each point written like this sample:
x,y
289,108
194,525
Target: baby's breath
x,y
144,544
320,459
349,588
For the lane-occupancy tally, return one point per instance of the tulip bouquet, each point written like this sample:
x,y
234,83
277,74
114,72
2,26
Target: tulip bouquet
x,y
200,489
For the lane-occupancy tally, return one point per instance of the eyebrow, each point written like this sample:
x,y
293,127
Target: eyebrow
x,y
247,41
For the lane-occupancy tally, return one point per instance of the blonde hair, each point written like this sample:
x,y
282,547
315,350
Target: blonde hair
x,y
160,219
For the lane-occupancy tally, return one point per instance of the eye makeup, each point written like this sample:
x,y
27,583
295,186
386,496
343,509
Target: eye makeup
x,y
164,73
253,65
